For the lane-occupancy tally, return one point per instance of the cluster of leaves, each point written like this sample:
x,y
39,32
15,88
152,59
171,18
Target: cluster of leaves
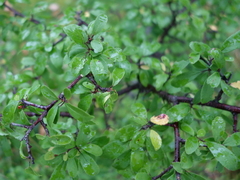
x,y
153,96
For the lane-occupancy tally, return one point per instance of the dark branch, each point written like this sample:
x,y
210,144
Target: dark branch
x,y
60,40
75,82
177,142
98,87
204,60
16,13
27,103
30,114
235,122
162,173
178,99
129,89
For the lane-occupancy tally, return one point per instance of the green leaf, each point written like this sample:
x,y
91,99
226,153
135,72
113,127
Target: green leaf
x,y
142,176
191,145
186,161
8,112
139,110
218,128
231,43
48,93
59,150
32,45
178,167
76,33
48,47
60,140
35,87
186,3
98,25
218,57
65,156
139,120
199,47
102,99
77,64
178,112
138,160
56,59
114,149
85,102
21,151
160,79
214,80
144,78
24,118
123,161
88,164
147,48
206,93
127,132
77,50
49,156
155,139
198,23
233,140
58,172
139,138
227,89
93,149
28,61
67,93
194,57
52,116
166,61
223,155
89,85
201,133
187,128
79,114
185,78
190,175
97,45
117,75
72,167
101,141
29,170
99,70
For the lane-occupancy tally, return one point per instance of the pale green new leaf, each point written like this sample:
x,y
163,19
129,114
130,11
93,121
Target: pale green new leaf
x,y
155,139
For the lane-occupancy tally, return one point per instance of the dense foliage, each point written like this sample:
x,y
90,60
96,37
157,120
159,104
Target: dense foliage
x,y
142,89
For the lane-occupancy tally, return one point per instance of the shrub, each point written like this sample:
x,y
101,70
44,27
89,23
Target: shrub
x,y
142,89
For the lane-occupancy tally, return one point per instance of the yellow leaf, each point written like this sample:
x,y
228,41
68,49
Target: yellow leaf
x,y
161,119
145,67
236,84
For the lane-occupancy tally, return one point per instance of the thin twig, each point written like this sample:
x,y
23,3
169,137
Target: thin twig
x,y
75,82
97,87
235,122
60,40
162,173
27,103
16,13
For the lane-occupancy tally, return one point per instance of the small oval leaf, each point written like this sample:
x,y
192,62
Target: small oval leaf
x,y
155,139
48,93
